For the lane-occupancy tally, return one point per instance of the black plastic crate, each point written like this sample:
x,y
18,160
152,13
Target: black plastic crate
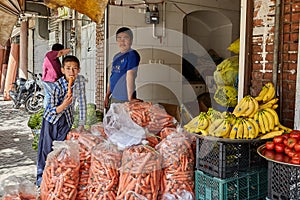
x,y
224,158
284,181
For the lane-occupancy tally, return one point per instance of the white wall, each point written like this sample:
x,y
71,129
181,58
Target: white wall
x,y
159,76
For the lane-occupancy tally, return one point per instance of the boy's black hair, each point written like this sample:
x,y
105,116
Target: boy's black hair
x,y
57,47
70,58
126,30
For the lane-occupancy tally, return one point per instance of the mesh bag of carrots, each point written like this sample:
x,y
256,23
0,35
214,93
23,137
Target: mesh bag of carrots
x,y
61,173
139,174
86,144
178,165
18,188
98,129
104,174
160,119
139,112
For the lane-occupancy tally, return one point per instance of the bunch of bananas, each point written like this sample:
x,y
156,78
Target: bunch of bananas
x,y
202,122
244,128
247,107
253,117
267,93
221,127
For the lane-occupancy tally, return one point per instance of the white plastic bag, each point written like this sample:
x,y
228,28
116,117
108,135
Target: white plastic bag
x,y
120,128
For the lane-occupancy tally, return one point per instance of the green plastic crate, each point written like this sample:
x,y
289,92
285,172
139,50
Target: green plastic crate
x,y
248,186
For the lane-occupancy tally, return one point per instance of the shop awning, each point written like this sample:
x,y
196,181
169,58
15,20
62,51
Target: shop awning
x,y
9,12
94,9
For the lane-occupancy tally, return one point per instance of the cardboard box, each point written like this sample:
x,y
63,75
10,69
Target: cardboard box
x,y
172,110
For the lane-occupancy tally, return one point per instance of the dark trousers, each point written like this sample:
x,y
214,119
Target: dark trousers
x,y
49,133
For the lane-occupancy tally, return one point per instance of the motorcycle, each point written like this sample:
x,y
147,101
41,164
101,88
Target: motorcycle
x,y
29,93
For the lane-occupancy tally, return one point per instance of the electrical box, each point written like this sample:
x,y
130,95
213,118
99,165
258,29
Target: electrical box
x,y
152,16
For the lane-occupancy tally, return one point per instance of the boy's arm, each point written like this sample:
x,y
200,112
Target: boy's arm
x,y
63,52
130,78
106,99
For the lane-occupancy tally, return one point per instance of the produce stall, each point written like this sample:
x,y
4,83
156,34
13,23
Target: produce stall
x,y
227,163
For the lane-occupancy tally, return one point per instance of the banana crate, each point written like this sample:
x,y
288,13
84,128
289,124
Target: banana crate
x,y
284,182
251,185
224,158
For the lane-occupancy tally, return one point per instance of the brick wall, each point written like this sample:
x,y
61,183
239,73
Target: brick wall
x,y
262,52
99,96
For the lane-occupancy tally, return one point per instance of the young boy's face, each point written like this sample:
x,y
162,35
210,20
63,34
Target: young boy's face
x,y
70,69
124,42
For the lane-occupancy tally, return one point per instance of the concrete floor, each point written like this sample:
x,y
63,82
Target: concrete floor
x,y
17,158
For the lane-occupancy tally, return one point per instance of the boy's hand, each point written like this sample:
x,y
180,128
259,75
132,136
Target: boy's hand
x,y
68,100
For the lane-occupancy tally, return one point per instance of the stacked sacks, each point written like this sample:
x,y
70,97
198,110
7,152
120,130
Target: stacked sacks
x,y
225,77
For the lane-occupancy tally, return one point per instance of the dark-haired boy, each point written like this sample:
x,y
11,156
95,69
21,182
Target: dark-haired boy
x,y
58,116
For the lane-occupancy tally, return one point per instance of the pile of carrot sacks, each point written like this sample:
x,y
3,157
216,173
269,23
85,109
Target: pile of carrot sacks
x,y
161,167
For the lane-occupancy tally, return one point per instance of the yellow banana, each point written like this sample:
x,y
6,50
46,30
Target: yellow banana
x,y
240,108
251,129
274,114
261,123
276,128
246,131
272,134
214,125
275,106
262,93
251,107
254,123
270,94
286,129
204,132
240,131
203,123
270,118
234,129
255,109
266,121
269,104
192,123
223,130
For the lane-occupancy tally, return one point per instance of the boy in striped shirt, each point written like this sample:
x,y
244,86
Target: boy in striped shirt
x,y
58,115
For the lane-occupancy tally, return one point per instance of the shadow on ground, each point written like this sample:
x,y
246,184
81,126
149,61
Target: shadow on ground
x,y
17,158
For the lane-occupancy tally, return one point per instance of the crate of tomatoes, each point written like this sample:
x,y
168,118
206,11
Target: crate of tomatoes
x,y
283,155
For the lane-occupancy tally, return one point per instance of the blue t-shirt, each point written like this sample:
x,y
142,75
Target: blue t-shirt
x,y
122,62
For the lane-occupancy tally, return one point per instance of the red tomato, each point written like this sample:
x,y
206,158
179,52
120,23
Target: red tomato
x,y
286,159
291,142
279,157
295,134
285,136
285,141
269,154
297,147
279,148
270,145
289,152
278,139
295,160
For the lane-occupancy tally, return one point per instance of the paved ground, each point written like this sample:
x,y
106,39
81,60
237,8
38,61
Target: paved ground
x,y
16,155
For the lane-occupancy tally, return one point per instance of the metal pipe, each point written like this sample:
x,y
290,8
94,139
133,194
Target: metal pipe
x,y
276,51
276,43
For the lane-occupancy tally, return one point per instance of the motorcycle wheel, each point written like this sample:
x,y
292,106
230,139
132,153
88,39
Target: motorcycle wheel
x,y
34,105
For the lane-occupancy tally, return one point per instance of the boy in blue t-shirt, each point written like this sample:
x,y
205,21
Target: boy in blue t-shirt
x,y
121,86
